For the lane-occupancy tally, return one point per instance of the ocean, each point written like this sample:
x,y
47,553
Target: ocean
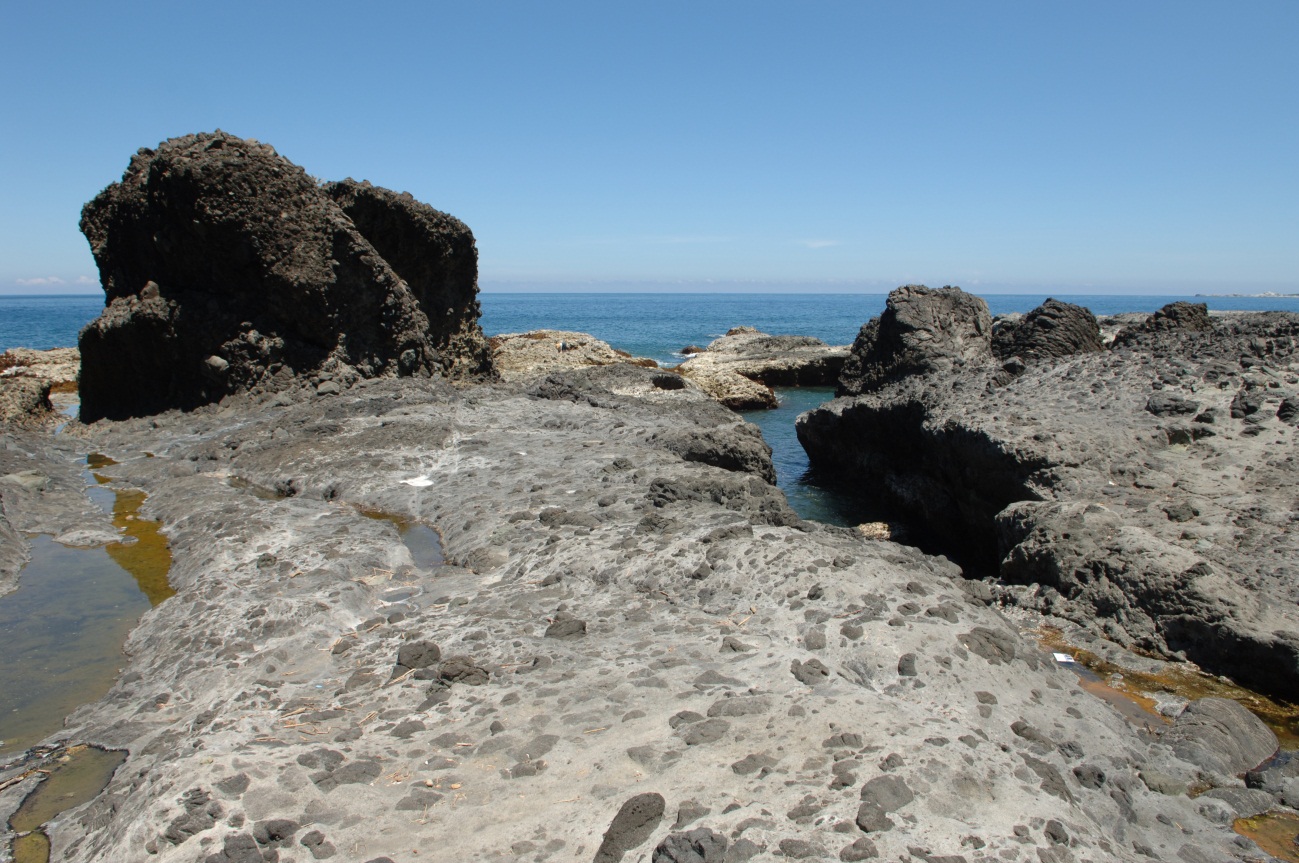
x,y
658,326
649,325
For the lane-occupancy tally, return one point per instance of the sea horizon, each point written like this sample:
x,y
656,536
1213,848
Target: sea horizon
x,y
655,324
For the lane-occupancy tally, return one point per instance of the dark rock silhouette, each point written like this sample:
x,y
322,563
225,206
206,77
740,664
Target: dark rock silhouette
x,y
922,330
226,269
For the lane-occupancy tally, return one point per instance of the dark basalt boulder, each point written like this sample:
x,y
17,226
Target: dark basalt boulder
x,y
435,255
1178,317
1052,331
922,330
226,268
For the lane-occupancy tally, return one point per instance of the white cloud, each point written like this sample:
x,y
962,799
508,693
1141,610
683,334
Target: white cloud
x,y
41,280
818,244
657,240
86,280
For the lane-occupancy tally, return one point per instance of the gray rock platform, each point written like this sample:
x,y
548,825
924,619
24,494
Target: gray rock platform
x,y
639,655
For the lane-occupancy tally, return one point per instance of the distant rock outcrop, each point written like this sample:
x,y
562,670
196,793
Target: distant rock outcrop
x,y
227,268
520,356
26,379
1052,331
740,368
922,330
1178,316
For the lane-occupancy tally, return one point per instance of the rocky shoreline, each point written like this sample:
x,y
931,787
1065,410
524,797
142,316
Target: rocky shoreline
x,y
633,648
616,622
1141,489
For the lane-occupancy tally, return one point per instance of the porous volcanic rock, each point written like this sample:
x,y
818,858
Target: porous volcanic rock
x,y
922,330
58,366
435,254
778,361
1145,491
740,368
27,378
520,356
746,684
226,268
1052,331
1181,315
24,400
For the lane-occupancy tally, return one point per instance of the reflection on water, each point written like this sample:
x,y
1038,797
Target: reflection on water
x,y
62,632
63,628
77,777
422,541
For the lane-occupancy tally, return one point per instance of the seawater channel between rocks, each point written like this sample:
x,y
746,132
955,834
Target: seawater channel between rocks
x,y
814,497
64,626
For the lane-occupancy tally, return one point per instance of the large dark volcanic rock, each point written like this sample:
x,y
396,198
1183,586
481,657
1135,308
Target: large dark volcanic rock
x,y
1052,331
226,268
435,254
1144,491
922,330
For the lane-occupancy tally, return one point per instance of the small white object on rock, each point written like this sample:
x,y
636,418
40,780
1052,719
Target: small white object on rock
x,y
418,482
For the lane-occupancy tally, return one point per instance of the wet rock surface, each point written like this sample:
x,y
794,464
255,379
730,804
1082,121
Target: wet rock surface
x,y
227,269
1143,490
735,690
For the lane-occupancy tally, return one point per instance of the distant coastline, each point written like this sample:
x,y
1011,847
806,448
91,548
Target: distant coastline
x,y
1266,295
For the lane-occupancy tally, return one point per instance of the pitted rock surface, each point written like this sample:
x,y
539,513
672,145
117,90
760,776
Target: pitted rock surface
x,y
227,269
1141,491
922,330
326,754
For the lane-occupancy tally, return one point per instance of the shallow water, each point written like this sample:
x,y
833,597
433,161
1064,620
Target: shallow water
x,y
1277,833
422,541
1186,681
812,496
63,628
76,778
148,558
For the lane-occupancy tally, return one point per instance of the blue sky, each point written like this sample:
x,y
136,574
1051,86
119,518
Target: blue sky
x,y
1086,147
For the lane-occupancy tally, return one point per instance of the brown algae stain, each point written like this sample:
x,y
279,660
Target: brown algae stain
x,y
77,777
148,558
1138,709
1185,680
1277,833
95,461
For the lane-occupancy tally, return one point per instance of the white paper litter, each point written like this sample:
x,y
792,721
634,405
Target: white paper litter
x,y
1063,657
418,482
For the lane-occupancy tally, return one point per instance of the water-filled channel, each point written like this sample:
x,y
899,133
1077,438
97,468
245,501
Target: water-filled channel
x,y
812,495
64,626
